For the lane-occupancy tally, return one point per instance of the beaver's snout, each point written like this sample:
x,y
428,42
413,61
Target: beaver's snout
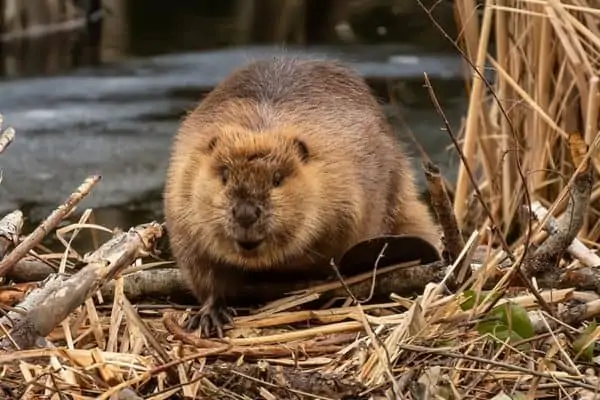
x,y
246,214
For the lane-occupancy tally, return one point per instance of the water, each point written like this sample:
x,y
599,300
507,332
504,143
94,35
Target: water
x,y
114,111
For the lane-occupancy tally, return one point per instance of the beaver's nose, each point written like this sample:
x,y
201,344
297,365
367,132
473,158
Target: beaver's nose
x,y
246,214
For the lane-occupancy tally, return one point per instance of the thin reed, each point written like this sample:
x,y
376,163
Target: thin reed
x,y
545,64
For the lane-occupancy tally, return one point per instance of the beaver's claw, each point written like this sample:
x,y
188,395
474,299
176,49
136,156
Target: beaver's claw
x,y
211,318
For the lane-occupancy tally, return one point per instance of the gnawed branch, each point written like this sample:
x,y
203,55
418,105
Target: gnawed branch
x,y
547,256
61,295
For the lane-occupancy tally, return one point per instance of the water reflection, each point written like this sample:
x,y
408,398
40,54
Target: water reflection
x,y
149,27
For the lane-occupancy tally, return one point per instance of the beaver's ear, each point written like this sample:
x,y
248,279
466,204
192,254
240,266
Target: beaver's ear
x,y
302,149
210,147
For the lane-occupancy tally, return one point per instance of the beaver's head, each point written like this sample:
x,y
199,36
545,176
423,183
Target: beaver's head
x,y
255,197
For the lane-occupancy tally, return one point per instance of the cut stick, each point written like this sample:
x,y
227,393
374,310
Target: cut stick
x,y
577,249
67,293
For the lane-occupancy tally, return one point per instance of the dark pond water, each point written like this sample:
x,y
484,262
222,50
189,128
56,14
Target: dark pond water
x,y
80,109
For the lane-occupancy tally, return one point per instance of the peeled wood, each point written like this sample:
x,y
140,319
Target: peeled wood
x,y
577,249
10,229
6,137
54,304
547,256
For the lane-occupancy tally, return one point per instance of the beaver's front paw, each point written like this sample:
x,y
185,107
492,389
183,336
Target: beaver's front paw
x,y
211,318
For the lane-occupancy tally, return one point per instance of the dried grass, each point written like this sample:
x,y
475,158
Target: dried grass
x,y
546,63
431,345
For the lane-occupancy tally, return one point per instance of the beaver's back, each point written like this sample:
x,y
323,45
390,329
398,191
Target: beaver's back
x,y
325,93
286,80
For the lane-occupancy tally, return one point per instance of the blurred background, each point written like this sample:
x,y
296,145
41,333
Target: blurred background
x,y
99,86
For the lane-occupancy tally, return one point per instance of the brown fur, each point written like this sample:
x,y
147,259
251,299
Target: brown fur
x,y
344,176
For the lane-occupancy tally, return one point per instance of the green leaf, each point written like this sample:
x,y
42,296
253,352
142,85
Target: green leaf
x,y
490,327
516,318
469,298
508,322
587,353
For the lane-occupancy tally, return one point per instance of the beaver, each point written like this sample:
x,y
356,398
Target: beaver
x,y
283,166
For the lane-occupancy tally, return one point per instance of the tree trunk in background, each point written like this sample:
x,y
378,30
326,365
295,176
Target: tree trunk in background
x,y
34,13
322,18
45,36
114,36
245,13
1,16
277,20
11,16
18,15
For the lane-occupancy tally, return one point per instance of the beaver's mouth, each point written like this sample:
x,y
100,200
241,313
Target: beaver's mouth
x,y
249,245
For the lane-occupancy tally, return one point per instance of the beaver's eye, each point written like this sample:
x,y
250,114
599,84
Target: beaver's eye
x,y
277,179
224,175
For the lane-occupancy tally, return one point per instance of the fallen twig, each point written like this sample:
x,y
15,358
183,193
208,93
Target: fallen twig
x,y
166,282
577,249
547,255
283,381
69,293
10,229
260,347
453,240
47,225
7,137
29,269
151,283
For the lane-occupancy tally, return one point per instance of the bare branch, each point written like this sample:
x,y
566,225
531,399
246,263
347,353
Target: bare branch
x,y
47,225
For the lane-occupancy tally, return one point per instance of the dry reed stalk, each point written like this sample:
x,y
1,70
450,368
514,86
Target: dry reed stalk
x,y
547,66
475,104
508,175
